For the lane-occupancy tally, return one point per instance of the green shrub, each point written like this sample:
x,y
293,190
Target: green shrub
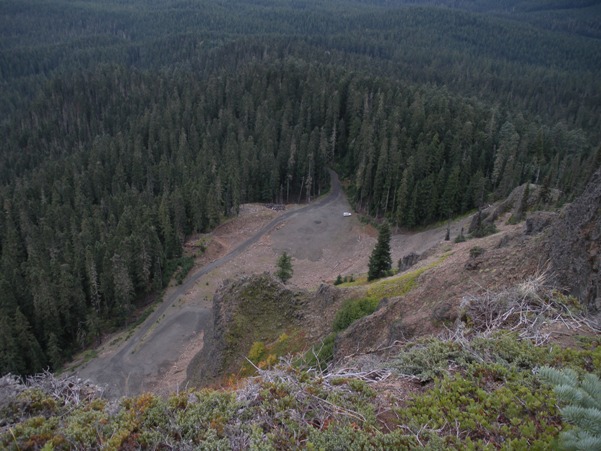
x,y
483,394
351,311
352,438
430,358
514,219
178,267
460,239
257,352
486,406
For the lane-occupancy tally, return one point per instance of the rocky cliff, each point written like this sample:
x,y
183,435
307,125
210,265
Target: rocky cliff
x,y
574,247
260,308
252,308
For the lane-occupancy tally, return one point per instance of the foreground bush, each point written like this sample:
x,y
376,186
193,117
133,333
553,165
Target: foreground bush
x,y
480,393
475,388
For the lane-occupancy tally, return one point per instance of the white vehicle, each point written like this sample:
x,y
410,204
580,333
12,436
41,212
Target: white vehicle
x,y
346,213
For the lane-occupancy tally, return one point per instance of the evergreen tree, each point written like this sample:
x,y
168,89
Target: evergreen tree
x,y
380,260
582,407
53,351
11,360
284,271
545,191
27,345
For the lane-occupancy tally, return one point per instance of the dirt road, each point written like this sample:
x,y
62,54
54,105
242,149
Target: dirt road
x,y
323,244
135,365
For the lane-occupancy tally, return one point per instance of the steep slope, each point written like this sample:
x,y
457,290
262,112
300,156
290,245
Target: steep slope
x,y
260,309
399,383
574,246
563,249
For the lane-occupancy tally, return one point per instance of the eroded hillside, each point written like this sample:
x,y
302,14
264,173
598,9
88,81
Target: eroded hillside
x,y
445,355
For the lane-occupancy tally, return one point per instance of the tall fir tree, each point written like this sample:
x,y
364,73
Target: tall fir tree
x,y
380,260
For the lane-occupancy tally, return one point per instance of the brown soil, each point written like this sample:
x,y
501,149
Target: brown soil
x,y
323,244
434,304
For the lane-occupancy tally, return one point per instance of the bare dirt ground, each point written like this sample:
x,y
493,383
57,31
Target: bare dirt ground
x,y
323,244
507,258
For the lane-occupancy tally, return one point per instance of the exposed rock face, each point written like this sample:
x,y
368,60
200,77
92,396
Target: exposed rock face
x,y
408,261
490,214
574,246
484,217
259,308
381,328
539,221
253,308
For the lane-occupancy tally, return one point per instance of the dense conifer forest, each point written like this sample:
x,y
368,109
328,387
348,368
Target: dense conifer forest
x,y
128,125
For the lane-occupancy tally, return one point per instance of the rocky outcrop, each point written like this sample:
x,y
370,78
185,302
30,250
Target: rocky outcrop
x,y
539,221
408,261
488,215
574,247
252,308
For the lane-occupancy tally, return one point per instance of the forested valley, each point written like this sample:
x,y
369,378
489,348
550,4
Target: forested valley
x,y
127,126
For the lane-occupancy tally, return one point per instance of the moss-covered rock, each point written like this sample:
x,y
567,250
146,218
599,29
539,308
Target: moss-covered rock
x,y
251,309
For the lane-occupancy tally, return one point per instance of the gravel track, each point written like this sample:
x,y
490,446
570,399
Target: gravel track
x,y
142,358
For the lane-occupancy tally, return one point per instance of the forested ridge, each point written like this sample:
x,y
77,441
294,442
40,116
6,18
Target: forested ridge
x,y
129,125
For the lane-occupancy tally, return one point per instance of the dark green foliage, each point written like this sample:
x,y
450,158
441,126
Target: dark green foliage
x,y
339,280
126,128
545,192
353,310
29,351
380,261
180,267
284,272
460,238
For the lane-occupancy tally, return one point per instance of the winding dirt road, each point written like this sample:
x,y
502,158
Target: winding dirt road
x,y
133,367
323,243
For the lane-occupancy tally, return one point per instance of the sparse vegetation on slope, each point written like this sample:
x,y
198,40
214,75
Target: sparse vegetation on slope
x,y
474,387
401,285
483,395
